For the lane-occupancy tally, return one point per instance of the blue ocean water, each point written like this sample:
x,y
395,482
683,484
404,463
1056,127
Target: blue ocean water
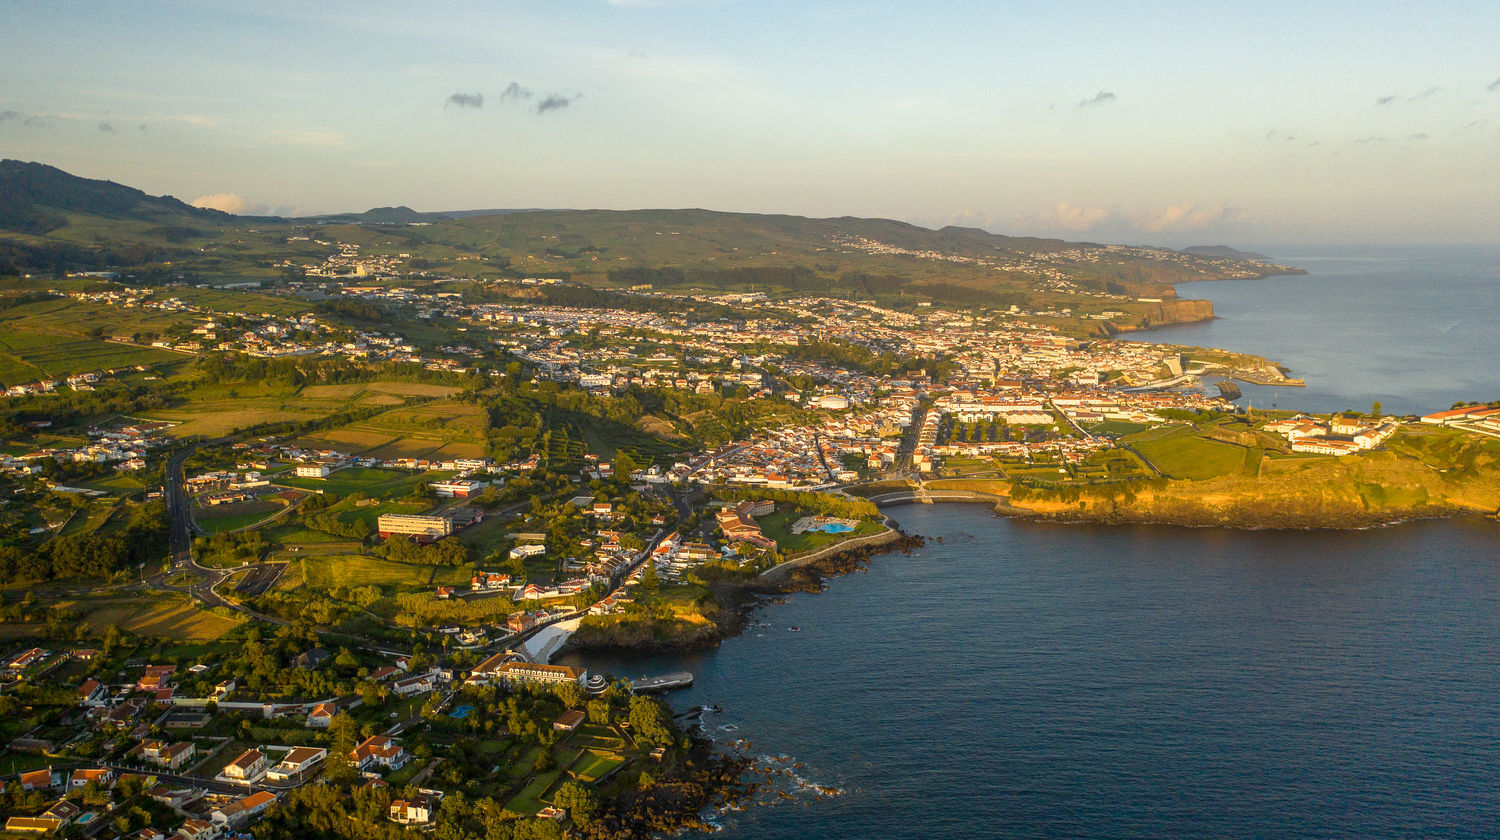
x,y
1029,680
1415,328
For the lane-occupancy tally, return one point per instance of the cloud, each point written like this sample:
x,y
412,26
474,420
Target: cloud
x,y
228,202
1189,216
555,102
1416,97
1077,217
302,137
514,92
1373,139
1422,135
465,100
1103,97
7,116
1492,86
106,128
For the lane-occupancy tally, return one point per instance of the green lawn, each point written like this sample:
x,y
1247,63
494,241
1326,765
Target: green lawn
x,y
529,800
359,570
776,527
1180,452
592,765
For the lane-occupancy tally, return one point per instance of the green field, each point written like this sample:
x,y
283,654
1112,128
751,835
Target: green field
x,y
1180,452
592,765
332,571
373,482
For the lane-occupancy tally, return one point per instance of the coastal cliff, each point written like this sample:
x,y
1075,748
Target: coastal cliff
x,y
1165,313
1356,492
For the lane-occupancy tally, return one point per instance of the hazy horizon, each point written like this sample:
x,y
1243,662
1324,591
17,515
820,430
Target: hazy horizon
x,y
1196,124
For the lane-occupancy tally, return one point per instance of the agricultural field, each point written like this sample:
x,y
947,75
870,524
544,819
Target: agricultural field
x,y
434,431
171,617
26,356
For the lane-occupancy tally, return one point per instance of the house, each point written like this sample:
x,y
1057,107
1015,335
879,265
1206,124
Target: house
x,y
570,720
297,761
44,779
415,811
28,658
522,673
33,825
195,829
378,751
248,767
311,659
239,811
171,756
156,678
82,776
415,685
63,811
524,551
148,833
322,715
604,509
312,470
92,694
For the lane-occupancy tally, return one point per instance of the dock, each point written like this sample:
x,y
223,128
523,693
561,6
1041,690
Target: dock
x,y
645,685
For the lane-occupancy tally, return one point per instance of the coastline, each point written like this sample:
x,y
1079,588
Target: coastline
x,y
735,600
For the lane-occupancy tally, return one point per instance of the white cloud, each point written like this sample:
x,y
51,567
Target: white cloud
x,y
228,202
1189,216
1077,217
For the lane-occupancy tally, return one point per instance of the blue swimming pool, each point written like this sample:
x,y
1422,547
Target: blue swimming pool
x,y
834,528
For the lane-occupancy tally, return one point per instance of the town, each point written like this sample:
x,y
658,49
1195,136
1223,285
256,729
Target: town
x,y
268,541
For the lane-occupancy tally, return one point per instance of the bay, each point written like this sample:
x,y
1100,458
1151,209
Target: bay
x,y
1028,680
1415,328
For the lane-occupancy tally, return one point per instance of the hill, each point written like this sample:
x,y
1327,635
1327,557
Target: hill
x,y
1226,252
51,221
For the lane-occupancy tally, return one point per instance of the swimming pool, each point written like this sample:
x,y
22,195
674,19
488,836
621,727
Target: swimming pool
x,y
834,528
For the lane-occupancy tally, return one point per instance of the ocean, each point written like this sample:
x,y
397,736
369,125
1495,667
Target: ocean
x,y
1030,680
1025,680
1414,328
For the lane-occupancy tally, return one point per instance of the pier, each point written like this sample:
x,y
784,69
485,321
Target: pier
x,y
645,685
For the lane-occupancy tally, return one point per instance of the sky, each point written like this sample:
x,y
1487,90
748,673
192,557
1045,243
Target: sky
x,y
1143,122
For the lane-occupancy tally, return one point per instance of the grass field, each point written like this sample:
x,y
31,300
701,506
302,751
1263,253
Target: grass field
x,y
373,482
332,571
222,518
1180,452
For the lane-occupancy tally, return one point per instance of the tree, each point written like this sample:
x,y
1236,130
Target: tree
x,y
570,693
1375,410
580,801
649,581
651,723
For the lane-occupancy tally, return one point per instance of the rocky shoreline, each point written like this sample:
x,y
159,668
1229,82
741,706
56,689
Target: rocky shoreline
x,y
733,602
